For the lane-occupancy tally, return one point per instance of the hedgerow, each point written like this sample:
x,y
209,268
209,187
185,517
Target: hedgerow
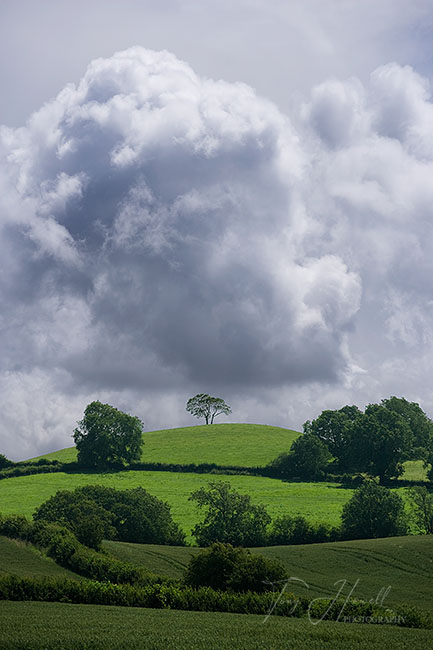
x,y
160,596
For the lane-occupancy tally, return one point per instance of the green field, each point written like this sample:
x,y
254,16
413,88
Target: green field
x,y
57,626
403,563
414,470
316,501
22,559
247,445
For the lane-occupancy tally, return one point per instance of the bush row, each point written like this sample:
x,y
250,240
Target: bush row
x,y
161,596
39,467
62,545
45,466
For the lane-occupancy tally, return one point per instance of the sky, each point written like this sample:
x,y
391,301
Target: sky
x,y
229,198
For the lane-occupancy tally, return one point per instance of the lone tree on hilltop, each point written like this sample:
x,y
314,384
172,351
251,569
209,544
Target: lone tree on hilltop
x,y
107,437
207,407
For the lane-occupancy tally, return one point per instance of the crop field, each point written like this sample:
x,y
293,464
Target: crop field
x,y
56,626
22,559
316,501
403,564
247,445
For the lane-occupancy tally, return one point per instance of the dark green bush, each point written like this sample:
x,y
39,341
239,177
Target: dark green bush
x,y
297,530
222,566
15,526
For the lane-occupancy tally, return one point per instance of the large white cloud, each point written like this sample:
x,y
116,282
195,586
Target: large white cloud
x,y
163,233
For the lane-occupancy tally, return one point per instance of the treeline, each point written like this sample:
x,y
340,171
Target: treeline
x,y
376,442
93,513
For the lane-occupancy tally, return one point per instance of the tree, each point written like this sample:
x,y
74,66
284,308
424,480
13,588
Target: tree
x,y
377,441
222,566
381,440
422,508
5,462
126,515
420,425
334,428
373,511
108,437
207,407
230,517
307,459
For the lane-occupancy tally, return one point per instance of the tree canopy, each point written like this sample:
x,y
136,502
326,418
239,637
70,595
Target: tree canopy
x,y
373,511
207,407
126,515
307,459
108,437
231,517
378,440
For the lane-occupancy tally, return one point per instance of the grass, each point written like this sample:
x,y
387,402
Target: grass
x,y
22,559
403,563
414,470
170,561
55,626
247,445
316,501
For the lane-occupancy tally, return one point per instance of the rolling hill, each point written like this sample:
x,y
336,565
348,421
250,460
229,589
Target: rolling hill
x,y
21,559
403,564
247,445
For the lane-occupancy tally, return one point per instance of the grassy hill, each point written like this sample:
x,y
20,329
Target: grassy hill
x,y
247,445
403,563
22,559
244,445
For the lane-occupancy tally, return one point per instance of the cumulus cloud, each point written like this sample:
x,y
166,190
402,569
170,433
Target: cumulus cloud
x,y
164,233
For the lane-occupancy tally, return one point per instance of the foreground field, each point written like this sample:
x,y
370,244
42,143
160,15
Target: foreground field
x,y
405,564
55,626
22,559
247,445
316,501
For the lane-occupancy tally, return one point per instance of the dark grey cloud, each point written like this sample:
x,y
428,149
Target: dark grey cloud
x,y
151,215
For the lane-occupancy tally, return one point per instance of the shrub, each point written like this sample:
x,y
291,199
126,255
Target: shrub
x,y
15,526
288,530
222,566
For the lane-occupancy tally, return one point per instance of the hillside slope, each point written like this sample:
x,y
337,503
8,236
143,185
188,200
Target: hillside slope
x,y
402,566
246,445
22,559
